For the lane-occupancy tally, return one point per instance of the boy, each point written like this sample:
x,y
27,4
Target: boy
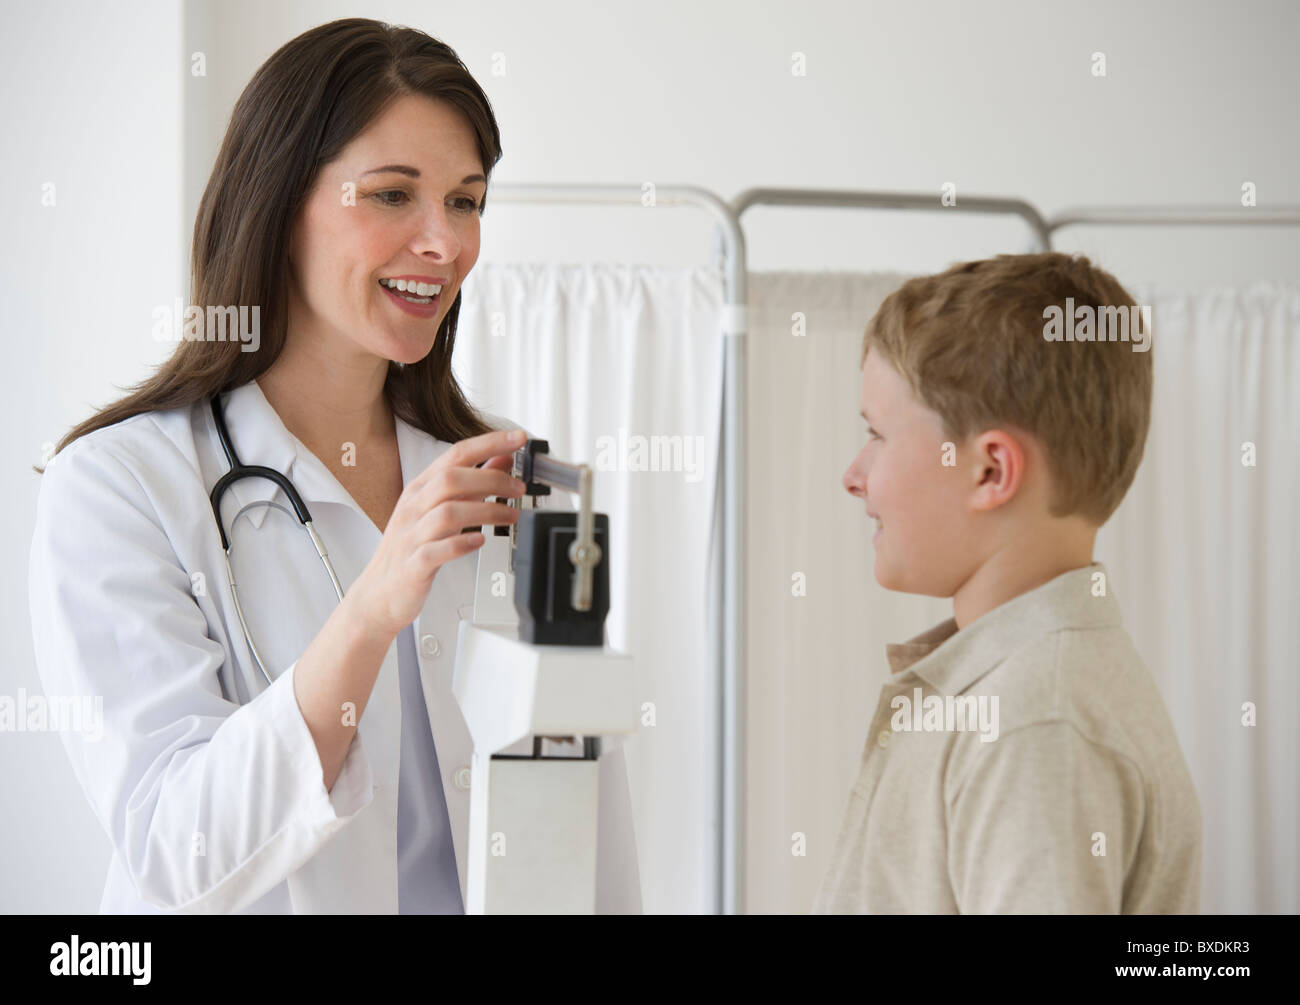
x,y
1020,759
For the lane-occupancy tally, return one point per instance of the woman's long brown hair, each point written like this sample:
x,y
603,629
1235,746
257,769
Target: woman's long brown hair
x,y
299,111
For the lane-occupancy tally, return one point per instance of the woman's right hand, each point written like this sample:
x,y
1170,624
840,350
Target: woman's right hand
x,y
424,532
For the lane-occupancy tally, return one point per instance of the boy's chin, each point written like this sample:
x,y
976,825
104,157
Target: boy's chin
x,y
885,575
895,581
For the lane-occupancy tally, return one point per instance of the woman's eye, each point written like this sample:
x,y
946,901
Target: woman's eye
x,y
396,197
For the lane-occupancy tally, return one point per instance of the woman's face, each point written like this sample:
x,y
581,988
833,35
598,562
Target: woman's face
x,y
400,202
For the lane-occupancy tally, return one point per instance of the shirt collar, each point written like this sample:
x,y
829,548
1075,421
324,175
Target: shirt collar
x,y
951,661
260,438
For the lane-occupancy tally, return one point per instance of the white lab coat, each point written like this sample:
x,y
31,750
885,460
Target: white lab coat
x,y
206,779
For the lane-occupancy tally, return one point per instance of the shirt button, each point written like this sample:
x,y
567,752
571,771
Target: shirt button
x,y
429,646
883,739
462,779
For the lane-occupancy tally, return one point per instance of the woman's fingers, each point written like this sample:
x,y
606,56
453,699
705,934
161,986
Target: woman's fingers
x,y
452,516
473,451
436,521
502,462
473,485
433,555
464,483
480,448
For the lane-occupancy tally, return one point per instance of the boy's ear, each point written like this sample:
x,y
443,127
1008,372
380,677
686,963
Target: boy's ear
x,y
999,464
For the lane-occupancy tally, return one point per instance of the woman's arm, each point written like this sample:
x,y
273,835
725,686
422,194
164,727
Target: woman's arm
x,y
337,672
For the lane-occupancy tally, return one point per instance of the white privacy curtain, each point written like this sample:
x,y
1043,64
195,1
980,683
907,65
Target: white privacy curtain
x,y
1206,561
1204,556
620,367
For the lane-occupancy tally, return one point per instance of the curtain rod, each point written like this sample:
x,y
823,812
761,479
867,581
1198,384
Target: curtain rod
x,y
1177,216
1042,227
853,199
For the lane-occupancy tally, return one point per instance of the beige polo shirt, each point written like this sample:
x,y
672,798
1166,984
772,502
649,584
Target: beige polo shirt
x,y
1025,764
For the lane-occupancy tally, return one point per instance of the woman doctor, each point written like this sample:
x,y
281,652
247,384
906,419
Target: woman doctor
x,y
355,164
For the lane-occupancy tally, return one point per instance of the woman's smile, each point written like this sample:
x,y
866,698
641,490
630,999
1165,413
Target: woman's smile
x,y
420,296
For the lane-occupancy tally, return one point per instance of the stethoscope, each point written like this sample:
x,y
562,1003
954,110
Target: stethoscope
x,y
236,472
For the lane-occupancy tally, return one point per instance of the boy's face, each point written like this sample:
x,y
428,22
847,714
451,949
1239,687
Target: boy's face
x,y
925,542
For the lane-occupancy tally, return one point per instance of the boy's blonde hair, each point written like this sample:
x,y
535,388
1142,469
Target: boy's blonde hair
x,y
970,343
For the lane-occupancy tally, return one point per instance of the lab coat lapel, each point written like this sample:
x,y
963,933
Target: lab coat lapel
x,y
450,599
261,438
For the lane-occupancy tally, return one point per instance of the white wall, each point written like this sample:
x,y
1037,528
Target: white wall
x,y
91,104
995,97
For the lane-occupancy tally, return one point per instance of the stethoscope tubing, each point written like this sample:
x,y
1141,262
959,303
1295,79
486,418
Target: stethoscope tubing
x,y
236,472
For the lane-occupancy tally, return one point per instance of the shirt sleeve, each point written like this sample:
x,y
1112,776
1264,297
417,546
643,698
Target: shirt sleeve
x,y
1045,822
209,804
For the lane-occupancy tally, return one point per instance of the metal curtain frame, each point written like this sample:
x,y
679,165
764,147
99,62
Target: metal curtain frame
x,y
853,199
1176,216
729,611
1044,229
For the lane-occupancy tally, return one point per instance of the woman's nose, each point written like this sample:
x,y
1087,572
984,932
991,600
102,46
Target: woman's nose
x,y
854,483
438,235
